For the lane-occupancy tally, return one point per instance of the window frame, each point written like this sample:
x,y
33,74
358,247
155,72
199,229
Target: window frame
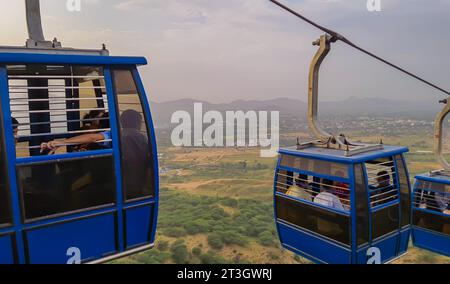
x,y
5,161
148,130
65,157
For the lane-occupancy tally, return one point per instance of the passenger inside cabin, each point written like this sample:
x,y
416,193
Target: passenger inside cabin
x,y
441,199
136,155
15,125
342,190
384,191
85,142
301,188
328,199
96,119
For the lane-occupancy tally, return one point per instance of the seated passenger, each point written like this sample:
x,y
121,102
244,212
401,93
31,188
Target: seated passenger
x,y
326,198
342,189
136,155
441,199
383,192
94,120
300,190
85,142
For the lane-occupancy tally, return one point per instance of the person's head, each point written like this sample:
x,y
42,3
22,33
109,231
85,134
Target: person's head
x,y
327,184
383,179
95,119
15,125
301,179
131,119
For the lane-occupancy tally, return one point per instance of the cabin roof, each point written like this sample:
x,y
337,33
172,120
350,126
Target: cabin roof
x,y
435,178
339,156
73,59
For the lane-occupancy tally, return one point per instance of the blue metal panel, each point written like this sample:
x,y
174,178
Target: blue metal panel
x,y
432,241
27,58
6,250
138,225
116,150
312,247
94,237
315,153
60,157
11,156
404,240
146,108
388,246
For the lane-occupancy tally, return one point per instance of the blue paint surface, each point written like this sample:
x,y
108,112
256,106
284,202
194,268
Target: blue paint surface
x,y
138,225
95,237
6,250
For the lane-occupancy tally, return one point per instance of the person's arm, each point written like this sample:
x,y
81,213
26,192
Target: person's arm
x,y
77,140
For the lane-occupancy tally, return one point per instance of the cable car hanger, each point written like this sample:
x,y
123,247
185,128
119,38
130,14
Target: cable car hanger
x,y
341,142
37,42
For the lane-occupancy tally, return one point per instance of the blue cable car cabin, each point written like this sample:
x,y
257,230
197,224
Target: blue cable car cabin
x,y
332,208
431,212
79,203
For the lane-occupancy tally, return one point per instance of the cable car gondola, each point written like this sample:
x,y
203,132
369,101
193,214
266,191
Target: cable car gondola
x,y
431,200
342,202
338,201
78,154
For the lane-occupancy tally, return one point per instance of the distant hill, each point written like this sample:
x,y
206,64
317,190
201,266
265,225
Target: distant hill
x,y
372,107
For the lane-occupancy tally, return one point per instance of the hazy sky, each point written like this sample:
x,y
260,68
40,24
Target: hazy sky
x,y
224,50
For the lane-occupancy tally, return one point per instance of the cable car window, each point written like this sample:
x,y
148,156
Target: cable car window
x,y
325,192
54,188
317,166
136,149
432,197
362,206
325,223
5,209
405,194
385,221
383,187
433,222
55,105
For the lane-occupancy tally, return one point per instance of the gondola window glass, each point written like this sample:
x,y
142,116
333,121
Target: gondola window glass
x,y
62,187
383,191
362,207
317,166
432,204
5,210
328,224
405,194
324,192
136,149
382,182
53,103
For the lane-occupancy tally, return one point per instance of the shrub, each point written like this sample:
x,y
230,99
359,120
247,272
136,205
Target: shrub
x,y
265,238
175,232
163,245
197,251
215,241
180,253
212,258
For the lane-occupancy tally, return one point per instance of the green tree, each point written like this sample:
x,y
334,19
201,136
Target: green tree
x,y
215,241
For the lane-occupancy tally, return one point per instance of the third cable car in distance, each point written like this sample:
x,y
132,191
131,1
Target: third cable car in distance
x,y
431,198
